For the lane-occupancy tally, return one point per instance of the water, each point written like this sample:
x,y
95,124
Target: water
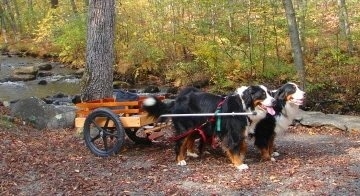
x,y
60,82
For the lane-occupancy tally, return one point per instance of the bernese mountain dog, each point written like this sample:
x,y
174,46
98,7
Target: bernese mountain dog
x,y
230,130
288,100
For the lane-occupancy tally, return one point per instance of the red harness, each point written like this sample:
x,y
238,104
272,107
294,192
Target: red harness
x,y
200,131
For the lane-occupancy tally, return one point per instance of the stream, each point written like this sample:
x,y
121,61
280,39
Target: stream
x,y
62,80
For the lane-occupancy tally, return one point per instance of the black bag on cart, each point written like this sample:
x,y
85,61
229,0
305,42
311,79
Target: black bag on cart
x,y
121,95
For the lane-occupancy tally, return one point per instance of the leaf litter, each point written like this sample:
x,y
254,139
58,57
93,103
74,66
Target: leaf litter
x,y
313,161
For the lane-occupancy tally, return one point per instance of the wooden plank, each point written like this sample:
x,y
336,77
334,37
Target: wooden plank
x,y
134,121
84,113
106,104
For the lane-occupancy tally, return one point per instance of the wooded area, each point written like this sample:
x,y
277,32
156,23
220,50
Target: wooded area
x,y
225,42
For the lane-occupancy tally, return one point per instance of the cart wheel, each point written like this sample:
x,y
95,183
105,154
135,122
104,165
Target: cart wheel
x,y
103,132
138,136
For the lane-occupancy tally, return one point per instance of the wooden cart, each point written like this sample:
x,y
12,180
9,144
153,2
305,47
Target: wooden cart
x,y
105,123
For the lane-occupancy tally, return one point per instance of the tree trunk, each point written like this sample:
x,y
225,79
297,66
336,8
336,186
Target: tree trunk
x,y
302,23
249,34
98,76
295,41
274,25
344,24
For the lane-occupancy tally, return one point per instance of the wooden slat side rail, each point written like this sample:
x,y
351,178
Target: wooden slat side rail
x,y
84,113
106,104
134,121
125,108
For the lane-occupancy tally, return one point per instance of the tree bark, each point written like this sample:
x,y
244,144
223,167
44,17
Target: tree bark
x,y
302,23
274,4
344,24
295,41
98,77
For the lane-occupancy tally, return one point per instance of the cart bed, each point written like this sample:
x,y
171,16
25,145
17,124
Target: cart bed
x,y
130,113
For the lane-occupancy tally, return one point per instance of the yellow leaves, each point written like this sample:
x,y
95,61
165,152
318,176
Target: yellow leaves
x,y
48,25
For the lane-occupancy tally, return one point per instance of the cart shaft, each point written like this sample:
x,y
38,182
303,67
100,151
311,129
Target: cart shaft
x,y
209,114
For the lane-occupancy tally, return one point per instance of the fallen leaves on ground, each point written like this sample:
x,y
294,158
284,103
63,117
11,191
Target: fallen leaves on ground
x,y
313,161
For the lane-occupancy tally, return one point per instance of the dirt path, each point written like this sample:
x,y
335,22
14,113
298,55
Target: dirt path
x,y
317,161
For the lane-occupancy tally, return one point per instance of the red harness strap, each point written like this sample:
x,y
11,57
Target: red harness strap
x,y
191,131
200,131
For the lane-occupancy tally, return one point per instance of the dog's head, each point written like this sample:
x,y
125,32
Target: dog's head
x,y
257,98
290,93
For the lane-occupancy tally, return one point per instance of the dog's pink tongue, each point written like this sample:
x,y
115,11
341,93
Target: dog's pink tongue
x,y
270,110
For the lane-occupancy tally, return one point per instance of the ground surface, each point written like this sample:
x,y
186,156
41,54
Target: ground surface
x,y
319,161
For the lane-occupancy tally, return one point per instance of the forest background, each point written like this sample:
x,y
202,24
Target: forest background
x,y
227,43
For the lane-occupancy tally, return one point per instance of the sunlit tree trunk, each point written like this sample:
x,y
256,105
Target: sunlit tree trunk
x,y
344,24
98,77
295,40
302,8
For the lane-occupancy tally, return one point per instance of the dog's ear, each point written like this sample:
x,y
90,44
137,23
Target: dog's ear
x,y
280,94
247,96
273,92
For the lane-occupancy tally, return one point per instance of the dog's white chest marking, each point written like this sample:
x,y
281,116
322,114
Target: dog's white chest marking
x,y
286,118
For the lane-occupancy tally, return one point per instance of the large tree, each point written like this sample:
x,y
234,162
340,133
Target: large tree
x,y
98,76
345,24
295,40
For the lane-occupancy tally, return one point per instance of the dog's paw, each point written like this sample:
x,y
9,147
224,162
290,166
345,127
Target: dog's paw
x,y
272,159
242,167
181,163
275,154
192,154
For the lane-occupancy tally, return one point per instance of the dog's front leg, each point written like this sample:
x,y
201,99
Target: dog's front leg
x,y
237,155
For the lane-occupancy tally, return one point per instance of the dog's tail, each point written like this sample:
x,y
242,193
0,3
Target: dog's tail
x,y
155,107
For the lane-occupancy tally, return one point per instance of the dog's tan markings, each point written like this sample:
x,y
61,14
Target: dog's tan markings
x,y
267,151
190,146
182,151
237,159
289,97
257,102
271,144
243,150
265,154
229,155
